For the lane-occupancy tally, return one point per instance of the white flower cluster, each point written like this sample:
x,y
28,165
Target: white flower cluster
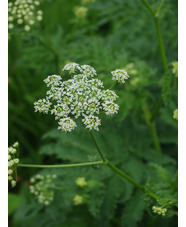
x,y
12,162
120,75
159,210
24,13
41,186
82,96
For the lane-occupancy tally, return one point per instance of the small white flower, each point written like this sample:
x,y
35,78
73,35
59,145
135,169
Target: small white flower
x,y
42,105
10,18
27,28
16,160
10,171
20,21
16,144
13,183
40,12
71,67
10,178
30,13
10,26
19,15
46,203
37,3
39,17
53,80
31,22
66,124
119,75
92,122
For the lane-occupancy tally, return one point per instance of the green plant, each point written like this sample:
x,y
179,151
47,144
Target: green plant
x,y
111,196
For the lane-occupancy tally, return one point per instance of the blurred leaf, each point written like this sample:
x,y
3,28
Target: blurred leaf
x,y
13,203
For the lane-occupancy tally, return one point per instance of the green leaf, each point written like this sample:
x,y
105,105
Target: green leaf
x,y
133,211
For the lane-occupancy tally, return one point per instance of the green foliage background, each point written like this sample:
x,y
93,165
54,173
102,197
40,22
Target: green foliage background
x,y
115,34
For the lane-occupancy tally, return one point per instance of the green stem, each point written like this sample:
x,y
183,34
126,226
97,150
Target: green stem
x,y
125,176
97,146
156,109
118,171
61,166
113,85
171,203
162,51
160,39
152,127
175,184
161,45
155,138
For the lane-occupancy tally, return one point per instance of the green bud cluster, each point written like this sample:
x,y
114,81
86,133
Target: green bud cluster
x,y
81,182
159,210
42,187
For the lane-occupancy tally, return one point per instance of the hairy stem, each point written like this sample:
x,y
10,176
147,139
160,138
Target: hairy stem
x,y
61,166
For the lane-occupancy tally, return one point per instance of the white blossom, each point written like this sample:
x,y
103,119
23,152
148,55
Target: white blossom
x,y
92,122
42,105
27,27
12,162
71,67
83,96
120,75
66,124
24,14
13,183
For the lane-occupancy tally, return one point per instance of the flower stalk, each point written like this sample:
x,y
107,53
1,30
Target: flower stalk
x,y
61,166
